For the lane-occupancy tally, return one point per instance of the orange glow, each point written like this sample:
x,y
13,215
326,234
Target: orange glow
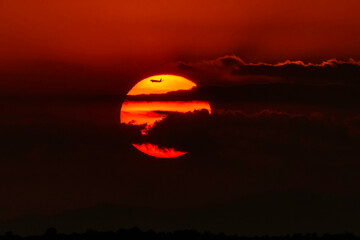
x,y
158,84
139,113
148,113
155,151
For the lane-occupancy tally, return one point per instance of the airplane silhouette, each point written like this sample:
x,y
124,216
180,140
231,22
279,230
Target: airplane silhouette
x,y
152,80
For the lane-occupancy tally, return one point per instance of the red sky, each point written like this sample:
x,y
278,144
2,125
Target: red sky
x,y
109,30
67,65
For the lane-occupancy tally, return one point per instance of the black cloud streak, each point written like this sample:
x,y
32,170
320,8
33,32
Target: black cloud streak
x,y
329,95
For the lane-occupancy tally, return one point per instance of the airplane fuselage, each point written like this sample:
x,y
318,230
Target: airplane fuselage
x,y
152,80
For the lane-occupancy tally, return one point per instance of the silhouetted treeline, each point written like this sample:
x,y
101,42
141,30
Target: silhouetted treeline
x,y
135,233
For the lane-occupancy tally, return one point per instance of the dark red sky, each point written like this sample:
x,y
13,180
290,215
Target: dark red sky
x,y
279,154
69,42
102,31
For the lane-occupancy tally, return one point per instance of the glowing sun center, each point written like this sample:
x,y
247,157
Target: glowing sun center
x,y
147,113
161,84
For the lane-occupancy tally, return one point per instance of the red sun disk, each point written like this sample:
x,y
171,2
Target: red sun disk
x,y
147,112
155,151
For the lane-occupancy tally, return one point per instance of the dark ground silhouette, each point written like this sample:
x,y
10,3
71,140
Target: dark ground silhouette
x,y
136,233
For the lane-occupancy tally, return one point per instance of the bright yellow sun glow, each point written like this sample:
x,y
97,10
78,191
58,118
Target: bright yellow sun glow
x,y
159,84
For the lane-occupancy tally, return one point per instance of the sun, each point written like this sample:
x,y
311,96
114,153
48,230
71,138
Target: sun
x,y
160,84
147,113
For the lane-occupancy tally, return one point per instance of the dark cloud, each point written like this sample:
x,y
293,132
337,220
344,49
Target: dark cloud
x,y
302,141
234,69
267,128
